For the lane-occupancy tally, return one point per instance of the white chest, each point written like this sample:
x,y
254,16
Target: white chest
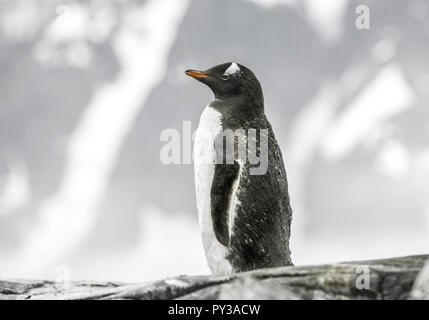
x,y
209,127
204,160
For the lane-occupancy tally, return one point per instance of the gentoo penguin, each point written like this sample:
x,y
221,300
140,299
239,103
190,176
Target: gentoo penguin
x,y
244,215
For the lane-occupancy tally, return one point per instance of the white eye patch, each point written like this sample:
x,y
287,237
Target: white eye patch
x,y
232,69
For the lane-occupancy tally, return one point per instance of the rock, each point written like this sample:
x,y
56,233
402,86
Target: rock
x,y
377,279
421,286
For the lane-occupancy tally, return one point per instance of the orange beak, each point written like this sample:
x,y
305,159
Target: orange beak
x,y
196,74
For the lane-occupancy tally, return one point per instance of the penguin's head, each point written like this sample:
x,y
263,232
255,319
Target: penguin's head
x,y
230,79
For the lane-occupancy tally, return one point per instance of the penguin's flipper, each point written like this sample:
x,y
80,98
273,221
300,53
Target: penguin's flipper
x,y
220,197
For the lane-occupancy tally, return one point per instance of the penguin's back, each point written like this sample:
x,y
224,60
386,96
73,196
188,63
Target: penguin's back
x,y
261,229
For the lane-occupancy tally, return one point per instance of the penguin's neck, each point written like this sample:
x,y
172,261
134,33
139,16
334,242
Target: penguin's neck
x,y
237,107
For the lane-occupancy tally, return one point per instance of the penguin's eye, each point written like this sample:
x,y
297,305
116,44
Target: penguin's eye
x,y
225,77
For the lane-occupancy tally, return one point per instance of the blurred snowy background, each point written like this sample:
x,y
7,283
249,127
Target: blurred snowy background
x,y
86,88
